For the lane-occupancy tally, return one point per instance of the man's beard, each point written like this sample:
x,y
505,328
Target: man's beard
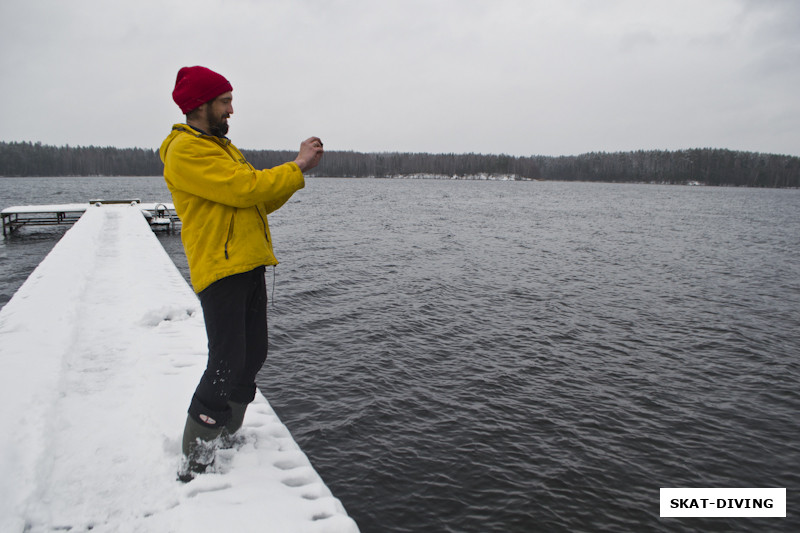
x,y
218,126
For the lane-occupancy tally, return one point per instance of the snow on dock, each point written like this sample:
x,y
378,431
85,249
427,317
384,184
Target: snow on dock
x,y
101,349
19,216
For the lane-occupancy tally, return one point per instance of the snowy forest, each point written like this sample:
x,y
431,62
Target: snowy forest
x,y
708,166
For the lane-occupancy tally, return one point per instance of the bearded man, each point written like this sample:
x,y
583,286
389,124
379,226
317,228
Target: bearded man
x,y
223,203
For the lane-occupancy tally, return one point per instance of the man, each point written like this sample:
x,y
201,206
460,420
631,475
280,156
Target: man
x,y
223,203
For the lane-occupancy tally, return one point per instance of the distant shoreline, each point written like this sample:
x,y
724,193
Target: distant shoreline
x,y
701,166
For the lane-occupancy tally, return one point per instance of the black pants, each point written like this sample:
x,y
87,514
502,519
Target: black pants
x,y
235,311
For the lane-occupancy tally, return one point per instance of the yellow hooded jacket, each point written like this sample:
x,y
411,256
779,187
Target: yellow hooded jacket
x,y
223,202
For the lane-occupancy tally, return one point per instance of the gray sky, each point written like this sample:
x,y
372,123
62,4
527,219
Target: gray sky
x,y
521,77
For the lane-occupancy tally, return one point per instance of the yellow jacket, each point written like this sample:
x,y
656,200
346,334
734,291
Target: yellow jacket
x,y
223,202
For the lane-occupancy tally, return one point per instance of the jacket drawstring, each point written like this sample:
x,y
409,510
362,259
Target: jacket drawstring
x,y
272,298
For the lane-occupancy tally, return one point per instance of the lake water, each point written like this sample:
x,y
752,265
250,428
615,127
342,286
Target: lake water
x,y
519,356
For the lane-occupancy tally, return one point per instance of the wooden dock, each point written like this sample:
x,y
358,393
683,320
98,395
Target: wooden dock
x,y
159,215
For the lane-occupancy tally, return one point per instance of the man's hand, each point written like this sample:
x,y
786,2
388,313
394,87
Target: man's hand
x,y
310,154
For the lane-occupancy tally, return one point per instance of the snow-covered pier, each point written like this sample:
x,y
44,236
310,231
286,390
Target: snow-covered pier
x,y
159,215
101,349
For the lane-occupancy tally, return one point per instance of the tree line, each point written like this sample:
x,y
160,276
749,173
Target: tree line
x,y
703,165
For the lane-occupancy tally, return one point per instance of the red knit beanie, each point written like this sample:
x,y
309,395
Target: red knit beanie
x,y
197,85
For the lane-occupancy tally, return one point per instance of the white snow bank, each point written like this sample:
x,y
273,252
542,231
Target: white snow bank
x,y
101,349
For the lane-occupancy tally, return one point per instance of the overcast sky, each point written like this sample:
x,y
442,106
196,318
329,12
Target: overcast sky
x,y
521,77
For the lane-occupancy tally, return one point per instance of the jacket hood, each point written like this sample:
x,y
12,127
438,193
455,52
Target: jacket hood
x,y
177,130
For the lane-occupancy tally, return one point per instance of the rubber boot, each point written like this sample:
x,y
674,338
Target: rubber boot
x,y
237,417
234,424
199,446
